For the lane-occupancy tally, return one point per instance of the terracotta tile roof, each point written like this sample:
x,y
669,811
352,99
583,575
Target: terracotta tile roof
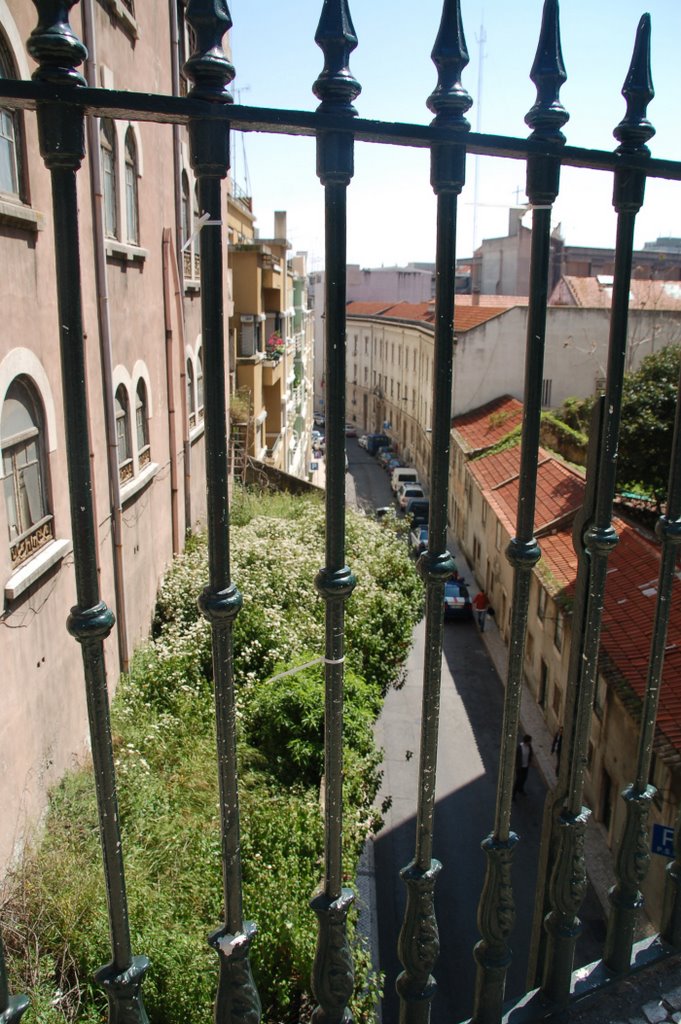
x,y
628,618
411,311
366,308
596,292
560,489
631,586
465,318
485,426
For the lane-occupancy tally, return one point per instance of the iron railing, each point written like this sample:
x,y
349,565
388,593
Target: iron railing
x,y
61,99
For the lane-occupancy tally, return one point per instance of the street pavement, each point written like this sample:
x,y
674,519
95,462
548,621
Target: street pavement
x,y
470,731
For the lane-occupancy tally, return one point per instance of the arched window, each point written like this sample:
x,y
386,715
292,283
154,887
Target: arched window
x,y
131,176
185,208
23,466
199,384
122,408
191,397
10,135
142,424
107,143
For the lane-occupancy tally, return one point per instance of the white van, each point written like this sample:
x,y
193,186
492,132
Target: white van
x,y
403,475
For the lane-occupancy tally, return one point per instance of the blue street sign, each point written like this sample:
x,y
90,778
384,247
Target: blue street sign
x,y
663,840
314,466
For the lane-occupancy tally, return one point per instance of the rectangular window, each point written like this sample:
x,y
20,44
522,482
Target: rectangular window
x,y
541,603
497,536
555,702
485,506
558,635
546,393
9,174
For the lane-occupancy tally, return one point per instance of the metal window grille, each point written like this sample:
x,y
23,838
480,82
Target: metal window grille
x,y
58,95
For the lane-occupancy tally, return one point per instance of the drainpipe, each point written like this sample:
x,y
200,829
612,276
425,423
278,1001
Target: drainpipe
x,y
170,389
179,263
105,342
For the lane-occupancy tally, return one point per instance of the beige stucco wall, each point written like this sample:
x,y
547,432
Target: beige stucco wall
x,y
43,728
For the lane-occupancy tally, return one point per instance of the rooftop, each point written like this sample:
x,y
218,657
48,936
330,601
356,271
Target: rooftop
x,y
488,424
632,583
424,312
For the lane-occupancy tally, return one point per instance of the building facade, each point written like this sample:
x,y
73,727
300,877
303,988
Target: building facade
x,y
486,484
140,230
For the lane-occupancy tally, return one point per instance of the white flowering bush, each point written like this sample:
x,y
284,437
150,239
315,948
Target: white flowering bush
x,y
164,742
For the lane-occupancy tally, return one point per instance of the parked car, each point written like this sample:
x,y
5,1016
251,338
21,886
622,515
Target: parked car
x,y
457,600
319,421
350,430
408,491
418,539
377,441
362,441
403,475
418,510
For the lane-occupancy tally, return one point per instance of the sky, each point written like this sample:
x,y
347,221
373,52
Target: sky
x,y
391,207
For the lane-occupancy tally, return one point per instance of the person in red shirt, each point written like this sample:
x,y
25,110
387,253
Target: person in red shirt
x,y
481,605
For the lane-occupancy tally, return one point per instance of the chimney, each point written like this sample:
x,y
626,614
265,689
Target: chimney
x,y
280,223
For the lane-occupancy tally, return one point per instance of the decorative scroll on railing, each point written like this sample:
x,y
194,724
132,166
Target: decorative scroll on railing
x,y
61,99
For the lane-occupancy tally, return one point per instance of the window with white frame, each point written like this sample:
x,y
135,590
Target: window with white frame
x,y
186,213
199,385
10,135
107,145
191,396
131,199
142,424
122,410
23,465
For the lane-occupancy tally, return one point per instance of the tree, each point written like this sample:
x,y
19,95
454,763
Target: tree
x,y
647,427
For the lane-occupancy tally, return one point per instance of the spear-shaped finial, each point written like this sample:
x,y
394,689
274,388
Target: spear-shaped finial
x,y
336,38
635,129
548,115
449,101
54,45
208,67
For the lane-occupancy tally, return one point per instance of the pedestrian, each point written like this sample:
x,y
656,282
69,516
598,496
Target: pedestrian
x,y
557,746
481,605
523,760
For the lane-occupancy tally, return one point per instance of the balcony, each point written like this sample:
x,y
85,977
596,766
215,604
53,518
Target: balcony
x,y
272,371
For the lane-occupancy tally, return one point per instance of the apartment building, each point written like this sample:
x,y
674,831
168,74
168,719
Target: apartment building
x,y
487,483
140,230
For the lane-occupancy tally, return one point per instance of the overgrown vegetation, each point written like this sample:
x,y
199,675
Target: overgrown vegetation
x,y
647,424
162,721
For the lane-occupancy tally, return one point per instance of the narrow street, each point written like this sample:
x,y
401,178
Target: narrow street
x,y
469,741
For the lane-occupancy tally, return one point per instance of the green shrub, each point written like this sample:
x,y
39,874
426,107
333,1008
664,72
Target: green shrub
x,y
165,755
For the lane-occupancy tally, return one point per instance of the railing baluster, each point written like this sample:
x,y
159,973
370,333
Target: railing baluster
x,y
12,1008
333,974
496,912
418,942
634,856
210,71
58,53
595,538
